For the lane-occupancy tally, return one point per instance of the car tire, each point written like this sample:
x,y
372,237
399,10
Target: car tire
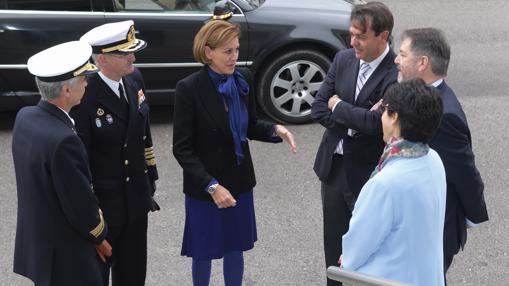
x,y
288,84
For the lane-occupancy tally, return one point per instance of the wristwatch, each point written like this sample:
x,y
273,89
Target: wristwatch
x,y
212,188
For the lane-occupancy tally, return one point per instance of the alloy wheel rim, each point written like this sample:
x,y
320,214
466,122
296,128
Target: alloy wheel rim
x,y
293,89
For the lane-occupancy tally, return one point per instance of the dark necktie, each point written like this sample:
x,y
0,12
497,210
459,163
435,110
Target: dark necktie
x,y
123,98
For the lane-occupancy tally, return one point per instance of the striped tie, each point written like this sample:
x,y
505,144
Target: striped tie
x,y
361,79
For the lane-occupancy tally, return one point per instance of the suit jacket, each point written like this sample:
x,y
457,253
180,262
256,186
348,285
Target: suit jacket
x,y
465,198
362,151
119,145
59,220
202,140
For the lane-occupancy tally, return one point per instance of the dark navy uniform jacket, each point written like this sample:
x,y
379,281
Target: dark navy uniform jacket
x,y
59,220
120,148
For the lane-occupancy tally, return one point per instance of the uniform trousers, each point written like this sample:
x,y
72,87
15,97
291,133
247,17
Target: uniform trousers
x,y
337,205
94,282
56,278
128,262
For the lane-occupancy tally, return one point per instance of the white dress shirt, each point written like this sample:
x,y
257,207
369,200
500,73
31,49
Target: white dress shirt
x,y
70,118
113,84
437,82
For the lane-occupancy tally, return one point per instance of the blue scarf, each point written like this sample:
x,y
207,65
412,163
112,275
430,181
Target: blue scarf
x,y
232,88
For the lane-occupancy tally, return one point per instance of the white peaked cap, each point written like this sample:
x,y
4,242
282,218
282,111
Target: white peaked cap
x,y
118,37
62,62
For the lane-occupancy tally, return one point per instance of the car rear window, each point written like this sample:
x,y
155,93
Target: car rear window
x,y
48,5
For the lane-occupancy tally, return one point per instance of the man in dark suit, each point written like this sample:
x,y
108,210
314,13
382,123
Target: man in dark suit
x,y
60,226
425,53
352,142
113,122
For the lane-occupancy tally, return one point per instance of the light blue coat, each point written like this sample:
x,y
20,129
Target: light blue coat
x,y
396,230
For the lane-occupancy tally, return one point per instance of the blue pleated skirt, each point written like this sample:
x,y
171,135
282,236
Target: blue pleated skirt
x,y
210,232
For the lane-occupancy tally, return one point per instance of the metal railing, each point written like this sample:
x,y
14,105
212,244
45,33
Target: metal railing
x,y
349,277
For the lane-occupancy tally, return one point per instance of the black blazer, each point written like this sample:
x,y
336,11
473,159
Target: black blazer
x,y
119,145
59,220
202,140
465,188
361,152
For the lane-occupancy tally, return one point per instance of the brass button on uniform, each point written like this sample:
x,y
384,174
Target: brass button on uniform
x,y
125,145
127,179
126,162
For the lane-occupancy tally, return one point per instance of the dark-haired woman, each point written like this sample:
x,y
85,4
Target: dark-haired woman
x,y
396,230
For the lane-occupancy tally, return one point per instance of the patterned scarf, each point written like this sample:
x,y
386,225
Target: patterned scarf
x,y
232,88
400,148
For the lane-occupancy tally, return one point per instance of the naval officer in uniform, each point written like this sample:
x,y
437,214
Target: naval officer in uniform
x,y
60,229
113,122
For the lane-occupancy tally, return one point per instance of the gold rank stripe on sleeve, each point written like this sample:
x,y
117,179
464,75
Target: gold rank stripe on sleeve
x,y
151,162
100,227
150,156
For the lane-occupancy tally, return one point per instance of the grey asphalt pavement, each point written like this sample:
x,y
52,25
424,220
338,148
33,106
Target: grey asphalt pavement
x,y
287,197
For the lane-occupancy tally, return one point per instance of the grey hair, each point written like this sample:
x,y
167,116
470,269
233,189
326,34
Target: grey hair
x,y
430,42
94,58
51,90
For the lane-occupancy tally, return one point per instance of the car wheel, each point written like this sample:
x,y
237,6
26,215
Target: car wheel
x,y
288,85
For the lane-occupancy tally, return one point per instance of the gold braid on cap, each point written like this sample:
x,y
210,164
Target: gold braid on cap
x,y
131,40
86,67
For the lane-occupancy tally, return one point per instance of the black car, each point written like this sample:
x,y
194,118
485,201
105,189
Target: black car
x,y
287,44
